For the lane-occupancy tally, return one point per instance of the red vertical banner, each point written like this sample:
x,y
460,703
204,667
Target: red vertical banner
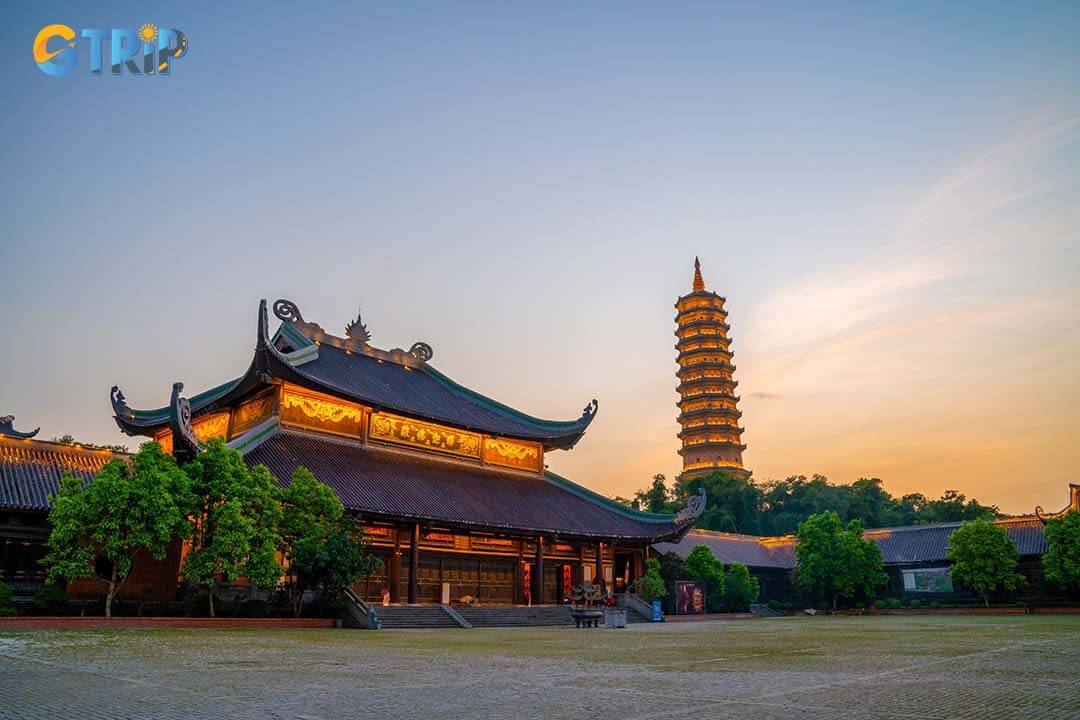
x,y
526,582
567,580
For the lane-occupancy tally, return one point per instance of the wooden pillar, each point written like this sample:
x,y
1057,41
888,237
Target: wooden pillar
x,y
538,573
519,574
600,567
414,565
393,573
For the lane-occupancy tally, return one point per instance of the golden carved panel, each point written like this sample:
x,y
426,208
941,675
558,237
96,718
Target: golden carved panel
x,y
249,414
164,440
320,413
513,453
214,425
415,433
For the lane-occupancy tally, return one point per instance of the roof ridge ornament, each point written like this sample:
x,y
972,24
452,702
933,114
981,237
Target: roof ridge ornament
x,y
590,409
7,428
695,505
421,351
186,443
357,330
119,403
288,311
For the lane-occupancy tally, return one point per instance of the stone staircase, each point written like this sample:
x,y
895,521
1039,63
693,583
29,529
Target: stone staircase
x,y
516,615
764,611
393,617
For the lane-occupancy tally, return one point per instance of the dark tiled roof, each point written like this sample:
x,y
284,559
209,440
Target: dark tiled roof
x,y
425,392
749,550
389,483
901,545
30,471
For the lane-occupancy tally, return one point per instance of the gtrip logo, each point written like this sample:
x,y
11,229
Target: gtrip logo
x,y
149,50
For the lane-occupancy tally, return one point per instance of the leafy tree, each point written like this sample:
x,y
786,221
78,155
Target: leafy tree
x,y
703,566
319,539
732,504
104,523
672,569
836,562
234,516
740,588
7,607
650,586
953,506
1061,562
984,558
656,498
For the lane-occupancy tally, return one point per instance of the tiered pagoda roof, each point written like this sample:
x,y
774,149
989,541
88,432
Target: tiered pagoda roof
x,y
708,406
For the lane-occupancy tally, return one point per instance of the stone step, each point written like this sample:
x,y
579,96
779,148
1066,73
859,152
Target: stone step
x,y
422,616
516,616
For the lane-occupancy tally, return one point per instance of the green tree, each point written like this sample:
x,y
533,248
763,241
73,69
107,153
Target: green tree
x,y
672,569
1061,562
953,506
733,504
703,566
234,516
650,586
320,540
656,498
836,562
740,588
984,558
127,508
7,607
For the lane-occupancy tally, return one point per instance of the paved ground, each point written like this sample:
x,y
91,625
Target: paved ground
x,y
792,668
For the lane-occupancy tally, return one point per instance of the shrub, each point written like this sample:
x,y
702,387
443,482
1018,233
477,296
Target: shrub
x,y
915,604
52,600
893,603
6,606
255,608
860,606
775,605
786,606
934,604
650,586
879,604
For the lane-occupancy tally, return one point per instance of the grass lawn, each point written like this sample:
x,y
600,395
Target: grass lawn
x,y
846,667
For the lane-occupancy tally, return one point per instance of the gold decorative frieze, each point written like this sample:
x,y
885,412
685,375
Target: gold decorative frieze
x,y
164,440
513,453
415,433
249,414
214,425
321,413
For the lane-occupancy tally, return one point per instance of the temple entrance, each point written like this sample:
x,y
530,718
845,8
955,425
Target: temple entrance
x,y
559,580
490,580
624,571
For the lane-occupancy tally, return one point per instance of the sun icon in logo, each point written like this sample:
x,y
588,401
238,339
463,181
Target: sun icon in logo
x,y
148,33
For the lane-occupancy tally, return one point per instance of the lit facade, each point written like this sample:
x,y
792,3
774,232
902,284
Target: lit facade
x,y
708,407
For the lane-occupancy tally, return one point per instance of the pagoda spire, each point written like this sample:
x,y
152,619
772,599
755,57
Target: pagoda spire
x,y
699,283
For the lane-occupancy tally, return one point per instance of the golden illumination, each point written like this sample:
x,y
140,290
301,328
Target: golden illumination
x,y
513,453
416,433
165,440
320,412
249,414
211,426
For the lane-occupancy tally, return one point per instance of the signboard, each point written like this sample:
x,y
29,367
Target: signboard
x,y
689,597
928,580
415,433
657,611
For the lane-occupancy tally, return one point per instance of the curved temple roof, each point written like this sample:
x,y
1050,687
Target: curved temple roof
x,y
394,380
385,484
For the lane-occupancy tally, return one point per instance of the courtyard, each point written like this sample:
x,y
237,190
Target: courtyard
x,y
848,667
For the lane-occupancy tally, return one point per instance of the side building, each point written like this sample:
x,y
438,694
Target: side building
x,y
915,555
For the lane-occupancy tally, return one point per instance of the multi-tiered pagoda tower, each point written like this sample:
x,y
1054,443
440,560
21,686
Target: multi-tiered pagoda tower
x,y
708,412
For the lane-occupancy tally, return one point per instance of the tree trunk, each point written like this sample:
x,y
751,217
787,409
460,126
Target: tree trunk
x,y
834,603
111,593
211,588
986,599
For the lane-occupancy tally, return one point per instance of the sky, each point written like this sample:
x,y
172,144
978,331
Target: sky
x,y
888,195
